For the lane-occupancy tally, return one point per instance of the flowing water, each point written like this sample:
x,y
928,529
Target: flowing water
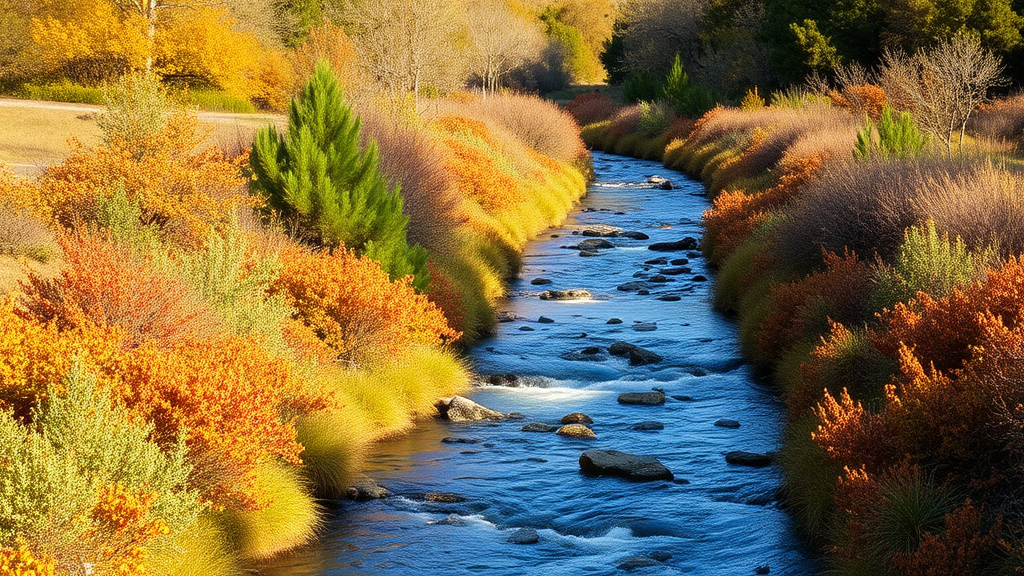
x,y
715,518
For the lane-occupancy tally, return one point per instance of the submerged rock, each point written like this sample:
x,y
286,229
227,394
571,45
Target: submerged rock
x,y
577,418
642,398
631,286
657,261
648,426
524,536
540,281
687,243
669,298
679,262
575,294
637,562
675,271
576,431
461,409
645,327
444,497
726,423
451,520
634,235
741,458
624,465
637,356
614,321
505,316
545,320
595,244
539,427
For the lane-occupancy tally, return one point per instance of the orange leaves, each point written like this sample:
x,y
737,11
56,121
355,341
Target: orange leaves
x,y
184,192
235,403
863,99
958,550
22,562
108,284
353,306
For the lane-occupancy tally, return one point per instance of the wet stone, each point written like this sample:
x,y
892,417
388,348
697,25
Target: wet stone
x,y
726,423
682,398
366,489
687,243
634,235
699,278
540,281
669,298
575,294
614,321
675,271
460,440
524,536
595,244
502,380
679,262
642,398
506,316
589,253
577,418
576,431
624,465
648,426
645,327
660,556
539,427
451,520
657,261
545,320
460,409
643,292
590,350
637,562
526,329
631,286
640,274
753,459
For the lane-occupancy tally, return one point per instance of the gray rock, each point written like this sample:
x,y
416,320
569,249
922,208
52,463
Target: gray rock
x,y
526,329
623,464
460,409
642,398
577,418
510,380
595,244
741,458
545,320
603,232
590,350
682,398
687,243
675,271
575,294
637,562
640,274
726,423
451,520
589,253
539,427
659,279
524,536
657,261
645,327
540,281
506,316
460,440
669,298
614,321
631,286
634,235
761,570
576,431
444,497
643,292
679,262
660,556
637,356
648,426
621,348
366,489
699,278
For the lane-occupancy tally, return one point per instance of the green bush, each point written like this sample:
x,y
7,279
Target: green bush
x,y
928,262
687,98
65,91
136,111
76,444
654,119
326,188
640,87
897,137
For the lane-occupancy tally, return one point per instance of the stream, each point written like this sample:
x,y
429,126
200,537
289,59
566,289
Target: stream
x,y
714,518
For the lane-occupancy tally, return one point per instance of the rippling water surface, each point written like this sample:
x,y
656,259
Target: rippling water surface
x,y
714,519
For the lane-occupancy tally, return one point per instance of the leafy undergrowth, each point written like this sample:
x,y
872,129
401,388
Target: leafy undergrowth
x,y
212,374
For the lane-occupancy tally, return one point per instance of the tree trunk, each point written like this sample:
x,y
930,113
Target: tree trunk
x,y
150,34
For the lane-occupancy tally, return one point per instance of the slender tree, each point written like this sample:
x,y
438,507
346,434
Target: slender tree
x,y
326,188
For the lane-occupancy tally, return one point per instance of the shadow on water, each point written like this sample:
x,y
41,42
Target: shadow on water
x,y
715,518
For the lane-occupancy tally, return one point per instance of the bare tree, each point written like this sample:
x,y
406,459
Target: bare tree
x,y
405,45
943,86
656,30
500,40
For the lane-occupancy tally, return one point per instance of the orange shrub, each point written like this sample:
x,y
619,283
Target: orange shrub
x,y
591,107
22,562
182,191
861,100
804,307
235,403
959,549
34,355
352,305
120,520
108,284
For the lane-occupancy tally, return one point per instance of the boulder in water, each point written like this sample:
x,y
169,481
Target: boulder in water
x,y
642,398
366,489
539,427
648,426
460,409
577,418
595,244
687,243
524,536
727,423
576,431
753,459
623,464
540,281
575,294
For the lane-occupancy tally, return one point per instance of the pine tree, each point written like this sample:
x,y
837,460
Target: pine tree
x,y
326,188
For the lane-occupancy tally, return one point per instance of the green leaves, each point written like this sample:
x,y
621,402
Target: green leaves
x,y
898,137
326,188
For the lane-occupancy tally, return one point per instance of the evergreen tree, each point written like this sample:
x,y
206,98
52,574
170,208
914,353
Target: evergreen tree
x,y
326,188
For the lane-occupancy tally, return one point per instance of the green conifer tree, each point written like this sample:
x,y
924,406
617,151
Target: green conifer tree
x,y
328,189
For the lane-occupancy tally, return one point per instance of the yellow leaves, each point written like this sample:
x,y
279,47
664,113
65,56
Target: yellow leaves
x,y
23,562
200,43
88,29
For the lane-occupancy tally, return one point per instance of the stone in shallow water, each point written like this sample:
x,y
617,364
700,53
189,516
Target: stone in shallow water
x,y
675,271
460,409
540,281
524,536
742,458
687,243
657,261
648,426
631,286
614,321
726,423
669,298
444,497
576,431
545,320
634,235
679,262
699,278
451,520
637,562
645,326
575,294
460,440
624,465
577,418
642,398
366,489
595,244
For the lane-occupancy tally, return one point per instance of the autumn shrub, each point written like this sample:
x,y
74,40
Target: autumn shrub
x,y
84,482
108,284
355,308
805,307
236,404
184,192
418,164
476,160
1000,120
327,188
134,113
861,99
590,107
931,263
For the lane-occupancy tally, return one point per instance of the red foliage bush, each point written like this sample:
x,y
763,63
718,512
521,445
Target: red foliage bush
x,y
108,284
591,107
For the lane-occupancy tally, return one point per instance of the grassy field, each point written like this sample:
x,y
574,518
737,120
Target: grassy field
x,y
34,134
